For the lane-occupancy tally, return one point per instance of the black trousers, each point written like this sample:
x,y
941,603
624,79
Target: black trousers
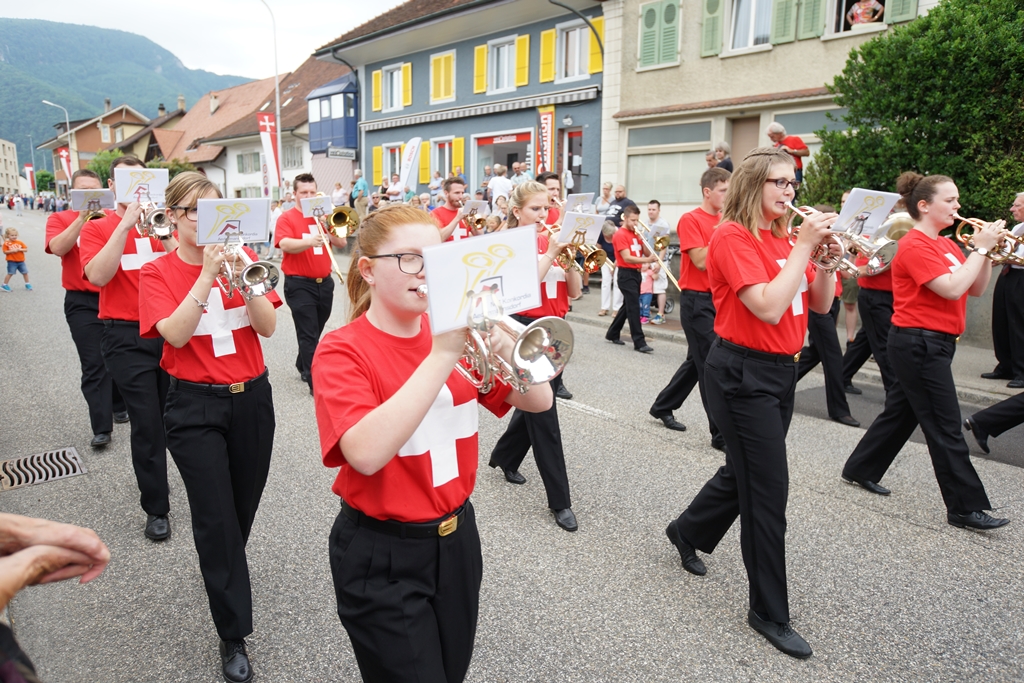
x,y
221,443
134,365
824,348
410,605
697,315
1014,307
1001,417
875,306
629,284
923,394
1001,326
310,303
857,353
81,310
752,403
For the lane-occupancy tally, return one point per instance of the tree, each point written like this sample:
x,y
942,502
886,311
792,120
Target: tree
x,y
100,164
174,166
941,95
44,180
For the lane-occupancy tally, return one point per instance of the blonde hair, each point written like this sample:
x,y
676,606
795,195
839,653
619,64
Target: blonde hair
x,y
188,184
746,190
374,231
520,195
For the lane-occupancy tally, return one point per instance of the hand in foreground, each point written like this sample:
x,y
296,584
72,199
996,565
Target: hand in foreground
x,y
990,235
449,344
815,228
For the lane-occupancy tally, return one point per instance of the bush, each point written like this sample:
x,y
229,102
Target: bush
x,y
100,164
174,166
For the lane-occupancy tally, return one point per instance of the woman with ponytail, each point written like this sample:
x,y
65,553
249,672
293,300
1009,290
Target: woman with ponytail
x,y
404,550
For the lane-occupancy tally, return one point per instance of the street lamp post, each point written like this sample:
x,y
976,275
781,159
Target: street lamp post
x,y
277,106
32,148
67,130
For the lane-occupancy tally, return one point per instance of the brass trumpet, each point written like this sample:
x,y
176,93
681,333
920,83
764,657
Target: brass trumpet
x,y
566,259
257,277
154,221
320,218
822,257
1004,252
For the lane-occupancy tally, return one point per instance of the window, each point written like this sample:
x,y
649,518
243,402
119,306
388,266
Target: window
x,y
249,162
119,135
250,192
292,156
104,132
659,34
392,160
392,88
674,134
751,23
440,158
673,178
325,108
808,122
442,77
337,106
314,111
573,52
502,58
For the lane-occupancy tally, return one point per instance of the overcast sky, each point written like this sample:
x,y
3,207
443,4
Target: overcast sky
x,y
222,36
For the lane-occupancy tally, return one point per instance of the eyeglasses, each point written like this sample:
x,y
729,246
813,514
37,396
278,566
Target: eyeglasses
x,y
783,183
191,212
410,264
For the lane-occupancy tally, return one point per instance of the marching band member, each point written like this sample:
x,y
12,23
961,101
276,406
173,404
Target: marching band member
x,y
112,253
629,256
449,216
930,283
556,209
762,290
307,266
220,411
995,420
404,550
81,310
529,204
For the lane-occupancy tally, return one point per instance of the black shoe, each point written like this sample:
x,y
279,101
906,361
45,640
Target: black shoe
x,y
995,375
645,349
304,376
976,520
566,519
782,636
121,417
868,486
850,389
234,661
847,420
980,435
1016,383
687,554
511,476
617,342
100,440
669,421
158,527
586,289
563,393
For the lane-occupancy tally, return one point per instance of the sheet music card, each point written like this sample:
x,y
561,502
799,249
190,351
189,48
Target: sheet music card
x,y
218,218
93,200
581,221
864,211
136,184
314,207
580,203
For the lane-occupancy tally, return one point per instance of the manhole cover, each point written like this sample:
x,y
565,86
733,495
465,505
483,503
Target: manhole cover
x,y
39,468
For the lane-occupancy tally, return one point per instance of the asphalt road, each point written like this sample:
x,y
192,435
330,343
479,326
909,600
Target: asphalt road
x,y
882,588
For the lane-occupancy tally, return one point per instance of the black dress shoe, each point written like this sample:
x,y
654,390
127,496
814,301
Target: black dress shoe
x,y
234,661
995,375
847,420
976,520
670,421
782,636
563,393
566,519
850,389
687,554
100,440
617,342
121,417
1016,383
511,476
980,435
868,486
158,527
645,349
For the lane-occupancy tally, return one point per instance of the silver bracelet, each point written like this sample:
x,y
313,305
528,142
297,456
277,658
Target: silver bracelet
x,y
201,304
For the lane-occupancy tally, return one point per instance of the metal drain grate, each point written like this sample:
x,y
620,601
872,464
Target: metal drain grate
x,y
40,468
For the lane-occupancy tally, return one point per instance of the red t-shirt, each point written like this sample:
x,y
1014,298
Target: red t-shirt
x,y
882,281
552,217
71,277
119,298
626,239
224,349
736,259
793,142
554,296
443,216
921,259
695,229
313,262
357,368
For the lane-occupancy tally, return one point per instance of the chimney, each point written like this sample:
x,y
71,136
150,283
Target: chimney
x,y
161,110
181,102
106,105
213,103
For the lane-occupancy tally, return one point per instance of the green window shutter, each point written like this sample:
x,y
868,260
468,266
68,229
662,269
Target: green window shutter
x,y
649,34
783,21
811,23
900,10
711,30
668,45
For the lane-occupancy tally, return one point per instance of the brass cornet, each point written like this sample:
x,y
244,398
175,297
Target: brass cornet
x,y
1005,250
257,277
154,221
822,257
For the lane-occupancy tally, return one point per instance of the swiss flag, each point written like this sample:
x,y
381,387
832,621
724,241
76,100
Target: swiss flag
x,y
268,136
65,161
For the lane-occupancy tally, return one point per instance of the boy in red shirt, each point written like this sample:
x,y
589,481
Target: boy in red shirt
x,y
630,253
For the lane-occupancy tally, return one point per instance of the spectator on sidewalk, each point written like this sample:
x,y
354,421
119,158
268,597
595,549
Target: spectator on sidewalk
x,y
659,228
360,194
790,144
722,158
14,251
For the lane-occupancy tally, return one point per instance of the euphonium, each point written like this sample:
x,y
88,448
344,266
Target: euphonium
x,y
895,227
153,222
257,277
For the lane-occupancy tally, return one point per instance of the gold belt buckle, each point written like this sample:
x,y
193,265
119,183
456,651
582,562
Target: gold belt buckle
x,y
796,357
237,387
448,526
319,280
957,340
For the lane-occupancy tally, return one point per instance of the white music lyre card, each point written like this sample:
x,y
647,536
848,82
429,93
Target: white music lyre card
x,y
314,207
580,203
864,211
589,222
219,218
136,184
92,200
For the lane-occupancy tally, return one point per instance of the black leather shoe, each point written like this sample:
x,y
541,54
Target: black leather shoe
x,y
980,435
511,476
158,527
617,342
782,636
234,661
670,421
121,417
645,349
100,440
563,393
566,519
976,520
847,420
995,375
850,389
868,486
687,554
1015,384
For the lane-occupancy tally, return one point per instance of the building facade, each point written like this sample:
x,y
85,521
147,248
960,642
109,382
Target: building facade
x,y
8,168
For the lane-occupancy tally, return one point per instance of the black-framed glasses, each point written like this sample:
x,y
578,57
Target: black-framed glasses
x,y
410,264
783,183
191,212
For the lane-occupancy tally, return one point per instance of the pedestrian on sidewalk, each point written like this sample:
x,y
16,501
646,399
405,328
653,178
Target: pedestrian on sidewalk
x,y
14,252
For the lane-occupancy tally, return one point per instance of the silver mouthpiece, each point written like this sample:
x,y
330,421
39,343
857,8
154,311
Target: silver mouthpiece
x,y
421,291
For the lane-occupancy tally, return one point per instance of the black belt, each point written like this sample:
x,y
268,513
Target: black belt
x,y
317,280
694,292
760,355
440,527
931,334
121,323
221,389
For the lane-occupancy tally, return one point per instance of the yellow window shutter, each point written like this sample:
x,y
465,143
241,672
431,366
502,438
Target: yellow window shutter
x,y
377,90
425,162
480,69
459,154
448,76
407,84
378,165
522,60
596,62
435,78
547,55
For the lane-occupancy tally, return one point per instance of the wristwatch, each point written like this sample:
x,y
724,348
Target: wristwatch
x,y
982,250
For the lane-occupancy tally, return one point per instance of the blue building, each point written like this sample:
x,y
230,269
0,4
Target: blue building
x,y
481,82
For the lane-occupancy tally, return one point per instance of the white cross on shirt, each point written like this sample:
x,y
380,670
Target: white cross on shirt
x,y
313,230
636,249
551,280
956,264
144,254
443,424
798,300
219,322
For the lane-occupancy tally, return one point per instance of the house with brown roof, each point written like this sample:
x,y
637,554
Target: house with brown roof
x,y
155,140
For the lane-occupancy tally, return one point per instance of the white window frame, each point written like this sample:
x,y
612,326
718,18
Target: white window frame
x,y
105,133
385,97
299,155
583,49
831,7
729,20
119,134
313,110
492,65
256,166
388,150
435,153
430,63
